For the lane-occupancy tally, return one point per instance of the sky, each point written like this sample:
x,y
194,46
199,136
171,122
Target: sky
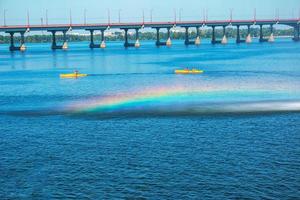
x,y
131,10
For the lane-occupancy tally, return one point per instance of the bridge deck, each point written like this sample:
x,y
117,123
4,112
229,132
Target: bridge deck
x,y
135,25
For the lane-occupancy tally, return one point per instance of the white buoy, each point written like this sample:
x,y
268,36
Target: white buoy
x,y
197,41
103,45
248,39
137,44
169,42
65,46
22,47
224,40
271,38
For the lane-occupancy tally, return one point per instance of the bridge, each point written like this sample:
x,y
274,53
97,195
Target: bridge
x,y
64,28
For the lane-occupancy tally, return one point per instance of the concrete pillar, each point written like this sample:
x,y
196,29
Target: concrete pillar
x,y
53,46
186,41
169,42
238,37
296,33
261,36
92,39
22,46
213,40
224,39
271,38
248,38
137,42
157,37
197,40
12,45
65,43
126,38
102,45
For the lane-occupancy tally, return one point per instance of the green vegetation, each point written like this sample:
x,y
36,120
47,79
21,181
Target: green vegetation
x,y
230,32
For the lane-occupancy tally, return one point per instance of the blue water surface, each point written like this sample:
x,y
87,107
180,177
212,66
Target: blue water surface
x,y
49,154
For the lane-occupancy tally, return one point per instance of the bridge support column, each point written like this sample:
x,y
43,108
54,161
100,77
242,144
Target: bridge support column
x,y
197,40
126,38
160,43
157,37
102,45
261,35
127,43
213,39
248,38
238,36
137,42
12,46
22,46
224,39
92,45
271,38
53,46
296,33
65,43
187,40
169,42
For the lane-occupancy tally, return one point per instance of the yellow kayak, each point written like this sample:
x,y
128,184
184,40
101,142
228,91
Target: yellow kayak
x,y
188,71
73,75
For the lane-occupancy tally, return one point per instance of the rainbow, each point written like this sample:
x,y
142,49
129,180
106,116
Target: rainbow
x,y
129,99
147,98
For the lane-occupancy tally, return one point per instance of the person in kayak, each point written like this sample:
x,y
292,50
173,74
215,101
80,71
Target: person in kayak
x,y
76,73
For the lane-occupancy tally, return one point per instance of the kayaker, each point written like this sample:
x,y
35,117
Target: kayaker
x,y
75,73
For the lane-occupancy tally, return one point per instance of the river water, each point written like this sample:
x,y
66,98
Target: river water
x,y
134,129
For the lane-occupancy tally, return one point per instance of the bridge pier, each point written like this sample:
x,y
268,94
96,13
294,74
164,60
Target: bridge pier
x,y
12,46
126,44
137,41
248,38
224,39
187,39
213,39
261,36
129,44
158,42
92,45
271,38
22,46
197,40
102,44
238,35
169,42
296,33
64,46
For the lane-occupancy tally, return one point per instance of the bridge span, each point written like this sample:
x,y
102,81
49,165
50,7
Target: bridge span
x,y
64,28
